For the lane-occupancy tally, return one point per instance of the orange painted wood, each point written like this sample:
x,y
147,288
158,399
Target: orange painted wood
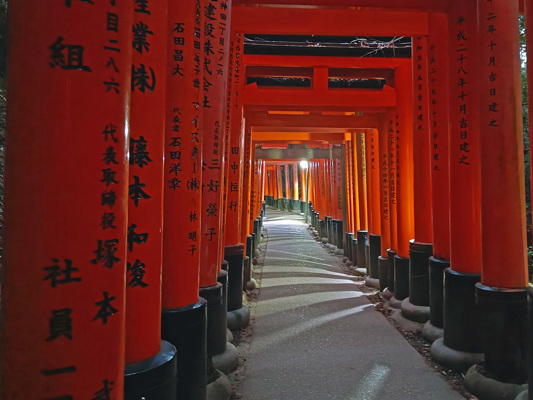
x,y
354,182
465,132
421,145
404,176
348,187
529,45
255,96
369,181
145,213
313,121
376,4
235,158
245,219
503,208
384,164
393,151
64,266
215,70
183,161
340,22
276,61
374,169
362,180
439,126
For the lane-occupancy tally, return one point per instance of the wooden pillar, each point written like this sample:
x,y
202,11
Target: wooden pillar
x,y
246,185
184,313
215,59
439,126
421,145
234,247
64,267
145,205
374,204
362,233
384,162
404,180
417,307
501,294
215,67
461,317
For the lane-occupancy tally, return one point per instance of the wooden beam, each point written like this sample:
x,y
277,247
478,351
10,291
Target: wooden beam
x,y
307,97
283,72
313,121
338,22
315,109
425,5
295,136
330,62
297,154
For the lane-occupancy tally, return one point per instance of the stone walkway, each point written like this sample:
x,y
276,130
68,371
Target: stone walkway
x,y
317,337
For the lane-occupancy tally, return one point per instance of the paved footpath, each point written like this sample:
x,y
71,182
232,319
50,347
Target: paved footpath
x,y
317,337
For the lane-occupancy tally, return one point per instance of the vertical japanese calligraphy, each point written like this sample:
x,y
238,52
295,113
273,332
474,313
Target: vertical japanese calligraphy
x,y
465,192
66,190
502,163
439,135
183,155
215,51
421,145
145,204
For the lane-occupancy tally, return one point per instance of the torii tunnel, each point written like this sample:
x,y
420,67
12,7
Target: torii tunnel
x,y
145,138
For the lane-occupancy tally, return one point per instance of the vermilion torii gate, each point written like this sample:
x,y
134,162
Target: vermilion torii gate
x,y
133,180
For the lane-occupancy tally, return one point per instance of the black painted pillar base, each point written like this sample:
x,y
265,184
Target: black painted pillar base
x,y
461,346
234,255
339,234
390,279
216,319
436,290
374,242
401,278
503,314
419,254
383,268
433,329
153,378
367,255
361,248
354,250
327,228
348,248
186,329
322,229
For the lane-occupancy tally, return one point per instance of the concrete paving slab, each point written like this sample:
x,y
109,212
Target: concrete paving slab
x,y
316,336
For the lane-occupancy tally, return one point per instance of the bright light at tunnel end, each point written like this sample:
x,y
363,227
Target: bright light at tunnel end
x,y
304,164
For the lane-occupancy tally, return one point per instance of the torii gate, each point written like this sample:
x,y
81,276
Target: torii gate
x,y
128,151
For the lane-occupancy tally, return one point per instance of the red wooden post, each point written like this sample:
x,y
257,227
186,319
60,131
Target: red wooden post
x,y
64,267
461,317
184,313
417,306
374,202
502,294
439,125
215,48
404,180
362,233
384,177
145,209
